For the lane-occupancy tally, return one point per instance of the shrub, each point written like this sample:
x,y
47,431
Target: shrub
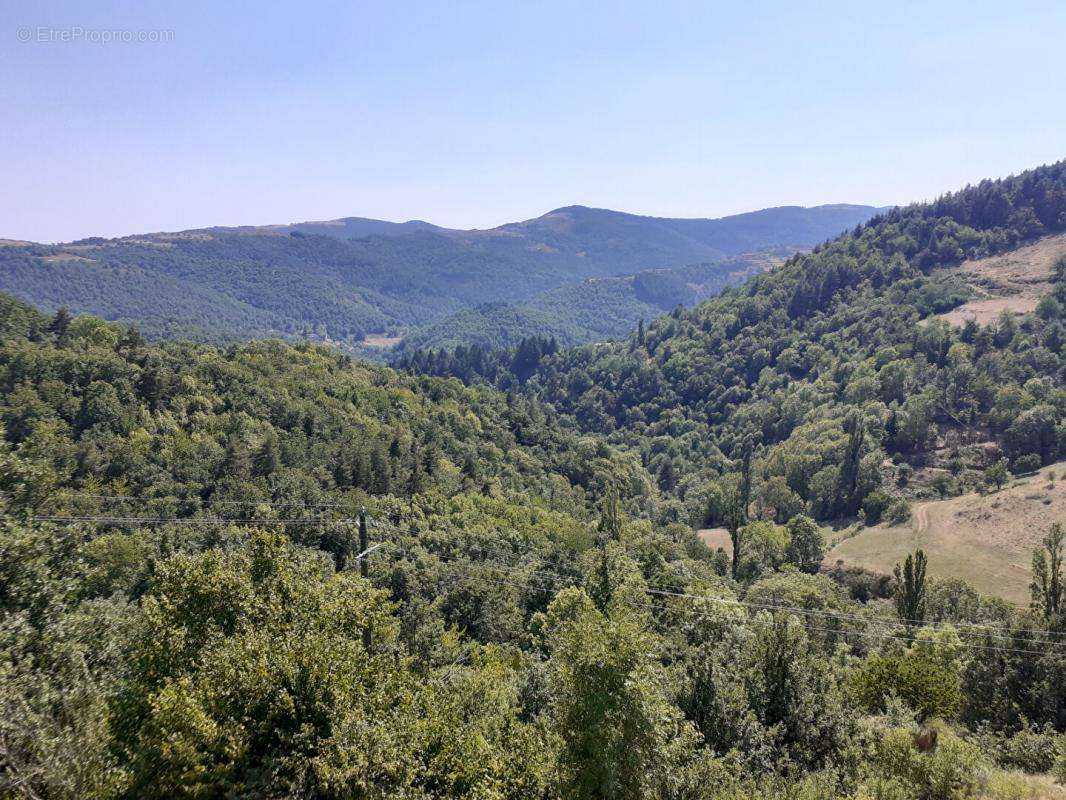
x,y
952,771
1032,749
875,504
898,513
1014,786
862,584
945,485
1059,770
917,677
996,475
1023,465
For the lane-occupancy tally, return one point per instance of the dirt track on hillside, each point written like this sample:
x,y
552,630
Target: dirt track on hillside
x,y
986,539
1013,281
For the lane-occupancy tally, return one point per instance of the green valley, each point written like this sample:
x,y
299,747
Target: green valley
x,y
267,569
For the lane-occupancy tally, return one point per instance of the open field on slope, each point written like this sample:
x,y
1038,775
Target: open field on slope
x,y
378,340
986,539
715,538
1013,281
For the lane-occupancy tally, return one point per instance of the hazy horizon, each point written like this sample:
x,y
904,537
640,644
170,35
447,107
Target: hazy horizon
x,y
278,224
472,116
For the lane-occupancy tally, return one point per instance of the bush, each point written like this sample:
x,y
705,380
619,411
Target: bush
x,y
1023,465
952,771
1059,770
875,504
898,513
862,584
1014,786
997,475
1032,749
945,485
916,677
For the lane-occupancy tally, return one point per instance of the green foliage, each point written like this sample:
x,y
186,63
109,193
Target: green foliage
x,y
1048,589
954,770
997,475
1022,683
911,588
1059,770
245,671
925,676
620,735
777,499
806,544
762,694
1027,464
1032,749
821,363
875,506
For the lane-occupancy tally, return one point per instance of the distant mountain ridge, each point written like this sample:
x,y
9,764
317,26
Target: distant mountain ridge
x,y
339,280
665,241
356,227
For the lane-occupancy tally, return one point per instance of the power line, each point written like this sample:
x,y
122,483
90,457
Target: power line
x,y
545,574
808,626
991,631
176,499
856,617
147,521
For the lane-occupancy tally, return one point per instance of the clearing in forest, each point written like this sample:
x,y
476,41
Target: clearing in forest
x,y
1013,281
380,340
986,539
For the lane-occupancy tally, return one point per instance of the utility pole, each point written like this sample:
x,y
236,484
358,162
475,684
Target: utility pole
x,y
364,566
364,544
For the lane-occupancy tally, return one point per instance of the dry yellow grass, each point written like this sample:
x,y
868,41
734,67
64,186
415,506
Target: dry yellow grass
x,y
715,538
1013,281
986,539
1013,785
381,341
61,257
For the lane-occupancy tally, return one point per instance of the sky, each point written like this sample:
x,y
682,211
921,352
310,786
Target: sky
x,y
133,117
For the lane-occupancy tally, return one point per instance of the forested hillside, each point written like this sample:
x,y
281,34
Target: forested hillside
x,y
596,309
832,374
315,281
183,612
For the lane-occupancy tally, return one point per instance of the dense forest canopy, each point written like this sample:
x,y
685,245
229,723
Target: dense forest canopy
x,y
840,340
184,612
596,309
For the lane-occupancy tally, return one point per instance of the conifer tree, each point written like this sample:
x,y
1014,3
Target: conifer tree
x,y
1048,593
911,587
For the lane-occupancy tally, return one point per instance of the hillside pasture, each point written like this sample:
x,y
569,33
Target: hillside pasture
x,y
986,539
1013,281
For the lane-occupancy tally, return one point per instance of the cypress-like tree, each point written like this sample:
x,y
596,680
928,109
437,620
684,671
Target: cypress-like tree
x,y
1048,593
737,507
911,589
379,472
268,457
60,324
847,488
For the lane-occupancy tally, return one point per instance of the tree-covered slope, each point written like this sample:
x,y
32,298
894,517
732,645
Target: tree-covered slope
x,y
318,281
259,420
831,364
595,309
184,611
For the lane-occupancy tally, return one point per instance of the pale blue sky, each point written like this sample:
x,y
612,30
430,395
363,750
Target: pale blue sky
x,y
470,114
